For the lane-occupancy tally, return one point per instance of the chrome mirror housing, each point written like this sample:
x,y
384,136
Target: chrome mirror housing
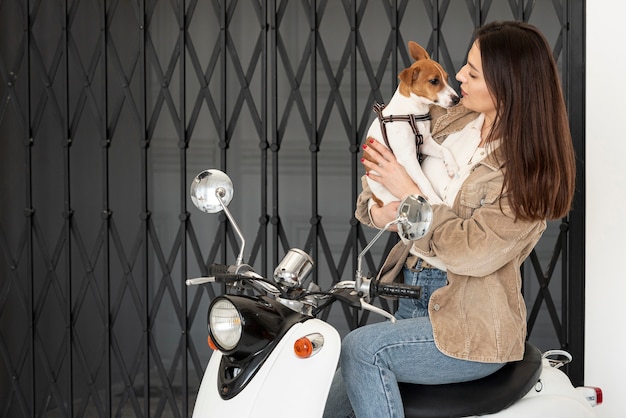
x,y
211,190
414,218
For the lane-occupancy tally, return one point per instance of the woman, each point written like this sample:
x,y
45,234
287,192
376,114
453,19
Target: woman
x,y
511,135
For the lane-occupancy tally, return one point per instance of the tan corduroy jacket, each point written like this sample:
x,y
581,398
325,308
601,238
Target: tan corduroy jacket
x,y
480,315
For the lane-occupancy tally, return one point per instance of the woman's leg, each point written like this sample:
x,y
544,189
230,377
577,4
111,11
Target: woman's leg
x,y
374,358
338,405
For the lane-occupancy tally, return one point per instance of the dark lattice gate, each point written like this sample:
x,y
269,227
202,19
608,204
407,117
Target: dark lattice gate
x,y
110,107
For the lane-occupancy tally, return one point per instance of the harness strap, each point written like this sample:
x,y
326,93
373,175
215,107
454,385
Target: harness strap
x,y
411,119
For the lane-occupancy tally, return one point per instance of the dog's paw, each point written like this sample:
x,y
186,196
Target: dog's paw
x,y
452,168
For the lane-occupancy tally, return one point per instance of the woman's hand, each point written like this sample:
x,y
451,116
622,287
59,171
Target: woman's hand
x,y
382,167
382,215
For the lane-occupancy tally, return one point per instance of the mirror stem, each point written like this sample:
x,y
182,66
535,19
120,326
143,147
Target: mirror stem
x,y
359,273
219,193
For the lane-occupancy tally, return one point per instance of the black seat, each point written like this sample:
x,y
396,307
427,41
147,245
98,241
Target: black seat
x,y
479,397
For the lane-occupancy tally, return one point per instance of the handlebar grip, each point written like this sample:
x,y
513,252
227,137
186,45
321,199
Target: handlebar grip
x,y
399,290
228,277
215,269
223,273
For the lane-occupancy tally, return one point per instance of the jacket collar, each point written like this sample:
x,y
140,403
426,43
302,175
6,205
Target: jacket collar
x,y
494,160
450,120
446,121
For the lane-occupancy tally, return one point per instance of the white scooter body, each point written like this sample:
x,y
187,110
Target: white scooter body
x,y
553,396
284,384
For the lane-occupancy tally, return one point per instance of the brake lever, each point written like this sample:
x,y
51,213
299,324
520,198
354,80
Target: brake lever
x,y
346,293
376,309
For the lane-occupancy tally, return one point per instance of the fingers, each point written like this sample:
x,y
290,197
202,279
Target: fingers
x,y
382,167
376,152
372,166
370,148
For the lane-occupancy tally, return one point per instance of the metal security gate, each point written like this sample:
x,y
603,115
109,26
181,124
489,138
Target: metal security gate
x,y
110,107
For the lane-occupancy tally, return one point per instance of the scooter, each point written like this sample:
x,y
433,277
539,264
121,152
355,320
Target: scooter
x,y
273,356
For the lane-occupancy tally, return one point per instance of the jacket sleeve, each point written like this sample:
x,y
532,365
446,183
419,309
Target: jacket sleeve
x,y
362,212
481,243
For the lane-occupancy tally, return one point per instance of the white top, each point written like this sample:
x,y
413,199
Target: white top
x,y
467,153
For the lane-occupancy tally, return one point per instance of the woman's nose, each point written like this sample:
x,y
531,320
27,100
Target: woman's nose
x,y
459,76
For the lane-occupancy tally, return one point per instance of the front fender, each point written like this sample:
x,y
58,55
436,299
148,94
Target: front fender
x,y
284,385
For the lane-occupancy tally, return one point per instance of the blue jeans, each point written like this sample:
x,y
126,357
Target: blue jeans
x,y
374,358
430,279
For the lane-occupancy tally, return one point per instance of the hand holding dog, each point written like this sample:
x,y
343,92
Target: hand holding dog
x,y
382,167
382,215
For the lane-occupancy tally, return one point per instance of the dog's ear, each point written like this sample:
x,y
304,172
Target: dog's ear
x,y
417,52
408,75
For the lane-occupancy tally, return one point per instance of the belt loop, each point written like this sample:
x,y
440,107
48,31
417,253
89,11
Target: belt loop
x,y
411,261
418,264
414,263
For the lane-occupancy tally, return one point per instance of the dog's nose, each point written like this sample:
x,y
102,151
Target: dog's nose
x,y
456,99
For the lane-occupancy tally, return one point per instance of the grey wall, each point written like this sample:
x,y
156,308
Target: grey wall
x,y
110,108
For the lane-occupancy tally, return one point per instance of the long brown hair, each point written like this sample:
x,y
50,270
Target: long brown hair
x,y
522,76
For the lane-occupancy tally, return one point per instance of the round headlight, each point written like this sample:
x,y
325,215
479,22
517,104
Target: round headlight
x,y
225,324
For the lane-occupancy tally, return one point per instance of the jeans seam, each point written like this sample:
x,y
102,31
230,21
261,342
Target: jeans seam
x,y
386,387
385,382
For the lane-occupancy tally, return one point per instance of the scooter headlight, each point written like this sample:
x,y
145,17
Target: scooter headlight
x,y
225,324
241,326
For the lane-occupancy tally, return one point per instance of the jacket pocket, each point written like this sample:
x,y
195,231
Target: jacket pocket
x,y
476,195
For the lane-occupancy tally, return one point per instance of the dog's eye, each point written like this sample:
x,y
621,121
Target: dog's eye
x,y
434,81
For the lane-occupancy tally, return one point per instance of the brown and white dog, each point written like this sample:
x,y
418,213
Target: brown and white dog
x,y
423,83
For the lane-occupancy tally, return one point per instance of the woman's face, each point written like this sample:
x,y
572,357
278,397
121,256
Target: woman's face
x,y
476,95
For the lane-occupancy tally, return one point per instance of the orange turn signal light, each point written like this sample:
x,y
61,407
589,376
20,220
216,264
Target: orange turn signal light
x,y
308,345
211,344
303,347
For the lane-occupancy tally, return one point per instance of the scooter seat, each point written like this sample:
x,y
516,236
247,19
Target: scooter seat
x,y
479,397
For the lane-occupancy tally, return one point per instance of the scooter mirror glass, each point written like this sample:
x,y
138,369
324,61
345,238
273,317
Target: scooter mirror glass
x,y
207,186
415,216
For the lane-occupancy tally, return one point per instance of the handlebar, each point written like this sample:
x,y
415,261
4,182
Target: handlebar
x,y
218,273
229,274
346,292
399,290
372,288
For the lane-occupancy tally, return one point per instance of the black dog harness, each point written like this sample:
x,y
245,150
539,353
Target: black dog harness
x,y
411,119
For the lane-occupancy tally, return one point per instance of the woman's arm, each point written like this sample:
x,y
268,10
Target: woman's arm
x,y
390,174
369,213
484,241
